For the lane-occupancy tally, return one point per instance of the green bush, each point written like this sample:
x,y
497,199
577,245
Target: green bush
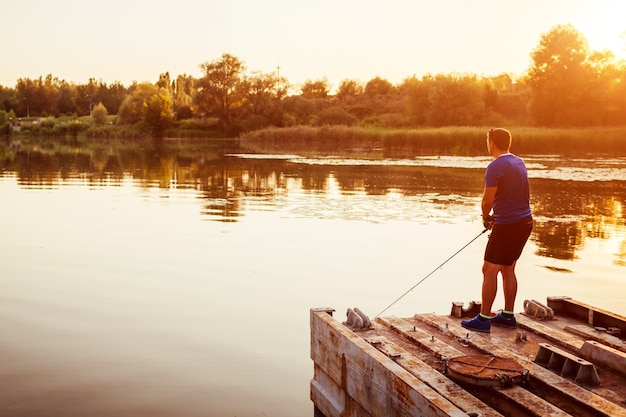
x,y
47,123
335,116
99,114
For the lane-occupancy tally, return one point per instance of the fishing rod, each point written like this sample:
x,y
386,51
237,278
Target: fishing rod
x,y
432,272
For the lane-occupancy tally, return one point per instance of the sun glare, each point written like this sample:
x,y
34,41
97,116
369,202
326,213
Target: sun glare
x,y
603,30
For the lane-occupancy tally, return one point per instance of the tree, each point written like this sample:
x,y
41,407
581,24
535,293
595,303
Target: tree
x,y
85,97
218,92
608,79
300,110
165,81
131,110
315,89
42,97
49,95
8,100
157,112
415,92
349,89
259,89
508,97
149,106
560,77
378,87
455,101
112,96
65,102
335,116
182,91
263,107
99,114
26,93
615,113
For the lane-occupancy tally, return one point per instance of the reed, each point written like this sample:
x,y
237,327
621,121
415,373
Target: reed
x,y
467,141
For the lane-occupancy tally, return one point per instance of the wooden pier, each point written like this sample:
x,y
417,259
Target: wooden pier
x,y
565,358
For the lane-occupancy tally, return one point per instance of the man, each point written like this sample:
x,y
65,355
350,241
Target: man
x,y
507,193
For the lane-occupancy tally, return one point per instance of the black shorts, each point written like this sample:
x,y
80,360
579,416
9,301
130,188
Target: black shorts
x,y
507,241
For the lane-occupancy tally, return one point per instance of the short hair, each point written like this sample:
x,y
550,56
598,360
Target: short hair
x,y
501,137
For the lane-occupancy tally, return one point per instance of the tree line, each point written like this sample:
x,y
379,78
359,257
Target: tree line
x,y
567,85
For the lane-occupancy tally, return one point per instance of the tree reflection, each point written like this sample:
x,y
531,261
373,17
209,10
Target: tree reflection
x,y
567,213
556,239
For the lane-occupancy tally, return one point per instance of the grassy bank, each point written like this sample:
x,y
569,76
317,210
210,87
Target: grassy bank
x,y
437,141
84,128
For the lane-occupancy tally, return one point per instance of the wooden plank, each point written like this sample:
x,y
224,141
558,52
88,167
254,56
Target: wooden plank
x,y
326,395
368,379
568,389
426,340
436,380
530,402
591,333
557,336
593,316
522,398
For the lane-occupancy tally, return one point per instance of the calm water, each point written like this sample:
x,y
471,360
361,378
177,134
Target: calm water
x,y
134,285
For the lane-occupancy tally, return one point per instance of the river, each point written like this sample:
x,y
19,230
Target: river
x,y
138,285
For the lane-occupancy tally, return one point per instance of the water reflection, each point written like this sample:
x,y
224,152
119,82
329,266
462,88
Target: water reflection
x,y
573,200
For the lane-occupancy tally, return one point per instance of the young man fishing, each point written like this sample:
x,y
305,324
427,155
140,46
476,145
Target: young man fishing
x,y
507,193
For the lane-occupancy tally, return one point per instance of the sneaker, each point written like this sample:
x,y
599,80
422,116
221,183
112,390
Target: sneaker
x,y
476,324
500,320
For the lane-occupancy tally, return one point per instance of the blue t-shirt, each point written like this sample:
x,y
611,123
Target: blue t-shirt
x,y
512,201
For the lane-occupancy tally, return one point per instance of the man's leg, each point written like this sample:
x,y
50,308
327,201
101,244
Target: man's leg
x,y
509,285
490,286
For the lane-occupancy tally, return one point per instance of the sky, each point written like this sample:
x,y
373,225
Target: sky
x,y
136,40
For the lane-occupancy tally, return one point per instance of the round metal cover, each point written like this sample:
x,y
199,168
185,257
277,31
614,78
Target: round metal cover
x,y
486,370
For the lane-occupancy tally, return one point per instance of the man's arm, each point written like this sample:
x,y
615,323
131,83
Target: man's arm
x,y
489,194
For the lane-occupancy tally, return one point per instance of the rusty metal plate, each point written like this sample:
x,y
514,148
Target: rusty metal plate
x,y
486,370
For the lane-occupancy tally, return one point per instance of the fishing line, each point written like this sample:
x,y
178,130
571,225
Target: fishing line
x,y
432,272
